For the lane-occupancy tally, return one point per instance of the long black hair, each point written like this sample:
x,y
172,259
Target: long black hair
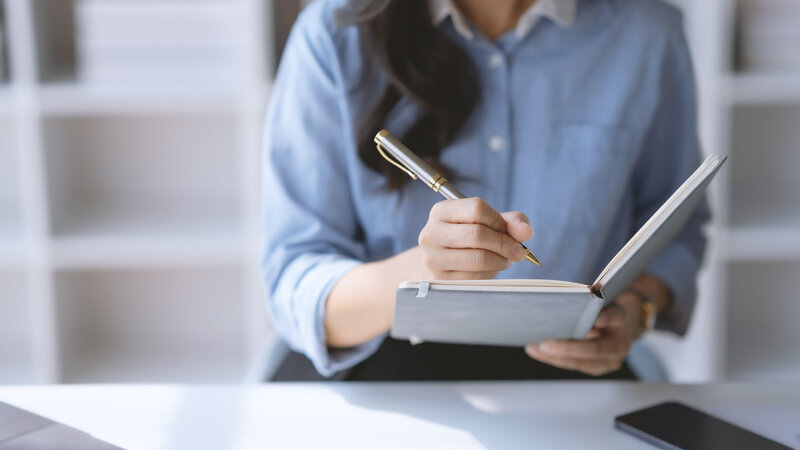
x,y
423,66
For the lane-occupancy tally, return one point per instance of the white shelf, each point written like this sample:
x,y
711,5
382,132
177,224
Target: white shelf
x,y
6,100
763,206
16,364
763,167
143,175
11,222
157,251
762,321
761,88
129,207
763,368
151,325
12,253
76,99
146,237
156,368
763,243
106,222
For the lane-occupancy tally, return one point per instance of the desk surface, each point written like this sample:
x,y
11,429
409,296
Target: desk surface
x,y
392,415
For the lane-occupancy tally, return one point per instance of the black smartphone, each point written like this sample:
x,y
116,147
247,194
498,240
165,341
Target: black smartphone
x,y
673,425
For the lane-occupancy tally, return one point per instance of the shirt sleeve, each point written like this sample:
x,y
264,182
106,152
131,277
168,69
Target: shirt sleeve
x,y
671,154
310,224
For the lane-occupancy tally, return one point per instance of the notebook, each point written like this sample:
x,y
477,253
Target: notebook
x,y
520,312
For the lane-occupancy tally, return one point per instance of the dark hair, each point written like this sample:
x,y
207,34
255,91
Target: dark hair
x,y
422,65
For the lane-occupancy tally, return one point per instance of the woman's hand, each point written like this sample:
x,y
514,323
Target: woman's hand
x,y
606,346
466,239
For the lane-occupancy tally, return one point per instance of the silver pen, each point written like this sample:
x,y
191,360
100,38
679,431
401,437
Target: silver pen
x,y
405,160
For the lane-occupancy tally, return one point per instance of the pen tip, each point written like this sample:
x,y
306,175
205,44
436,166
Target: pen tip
x,y
530,257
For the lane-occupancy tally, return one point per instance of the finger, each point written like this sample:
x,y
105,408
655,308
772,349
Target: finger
x,y
603,347
586,365
478,236
468,260
593,334
611,317
515,216
454,275
518,226
468,210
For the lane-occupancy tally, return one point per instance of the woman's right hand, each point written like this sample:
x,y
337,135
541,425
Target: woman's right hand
x,y
466,239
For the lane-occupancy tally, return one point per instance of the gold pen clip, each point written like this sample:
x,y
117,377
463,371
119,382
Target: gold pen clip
x,y
392,161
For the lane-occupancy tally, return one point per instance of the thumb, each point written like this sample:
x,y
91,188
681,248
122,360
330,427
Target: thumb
x,y
518,225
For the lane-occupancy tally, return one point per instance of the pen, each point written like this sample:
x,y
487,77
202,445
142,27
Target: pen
x,y
405,160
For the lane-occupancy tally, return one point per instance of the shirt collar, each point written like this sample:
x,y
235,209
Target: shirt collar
x,y
561,12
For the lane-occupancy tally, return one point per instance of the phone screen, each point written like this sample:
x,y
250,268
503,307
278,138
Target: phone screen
x,y
673,425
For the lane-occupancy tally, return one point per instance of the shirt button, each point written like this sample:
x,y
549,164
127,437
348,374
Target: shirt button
x,y
495,61
496,143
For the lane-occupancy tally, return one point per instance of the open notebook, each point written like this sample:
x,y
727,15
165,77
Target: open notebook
x,y
519,312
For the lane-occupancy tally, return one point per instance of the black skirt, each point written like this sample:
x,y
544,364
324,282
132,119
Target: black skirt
x,y
398,360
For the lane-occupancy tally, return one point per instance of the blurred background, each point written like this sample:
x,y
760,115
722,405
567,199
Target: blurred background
x,y
129,177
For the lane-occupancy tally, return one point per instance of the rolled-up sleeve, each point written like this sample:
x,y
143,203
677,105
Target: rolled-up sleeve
x,y
310,225
671,154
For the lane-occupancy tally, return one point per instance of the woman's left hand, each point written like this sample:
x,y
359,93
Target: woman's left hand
x,y
606,345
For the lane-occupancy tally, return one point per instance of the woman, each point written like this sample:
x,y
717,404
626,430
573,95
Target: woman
x,y
576,117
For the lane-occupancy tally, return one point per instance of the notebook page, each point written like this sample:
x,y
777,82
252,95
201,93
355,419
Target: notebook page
x,y
657,231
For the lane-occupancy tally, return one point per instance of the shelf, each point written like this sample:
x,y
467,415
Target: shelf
x,y
129,191
758,88
136,177
124,246
16,365
12,252
75,99
163,368
121,42
10,184
763,243
769,207
7,106
764,185
762,321
151,325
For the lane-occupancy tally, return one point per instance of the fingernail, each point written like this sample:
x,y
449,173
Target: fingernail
x,y
531,348
547,346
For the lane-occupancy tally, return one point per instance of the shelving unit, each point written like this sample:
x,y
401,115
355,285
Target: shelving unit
x,y
10,198
15,349
70,100
141,176
760,88
108,326
112,270
6,102
742,329
762,259
129,233
763,299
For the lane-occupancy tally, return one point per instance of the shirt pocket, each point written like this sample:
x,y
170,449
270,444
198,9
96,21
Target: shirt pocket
x,y
588,168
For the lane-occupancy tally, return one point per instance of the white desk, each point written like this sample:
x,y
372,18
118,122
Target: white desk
x,y
390,415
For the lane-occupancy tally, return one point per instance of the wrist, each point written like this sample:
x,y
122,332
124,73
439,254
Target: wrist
x,y
647,310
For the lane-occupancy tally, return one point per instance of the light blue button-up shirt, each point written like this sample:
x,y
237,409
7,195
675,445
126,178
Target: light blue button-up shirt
x,y
585,127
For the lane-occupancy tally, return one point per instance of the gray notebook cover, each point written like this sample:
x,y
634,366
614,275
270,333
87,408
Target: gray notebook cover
x,y
492,318
496,315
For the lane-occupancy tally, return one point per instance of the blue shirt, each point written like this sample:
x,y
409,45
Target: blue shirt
x,y
585,128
